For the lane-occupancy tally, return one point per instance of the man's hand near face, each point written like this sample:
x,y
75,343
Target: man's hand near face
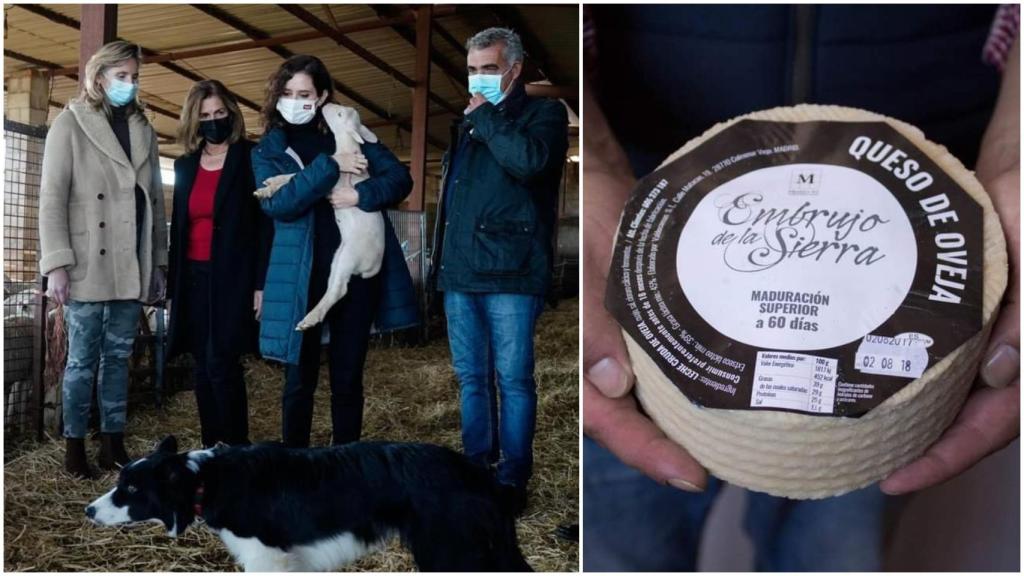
x,y
474,102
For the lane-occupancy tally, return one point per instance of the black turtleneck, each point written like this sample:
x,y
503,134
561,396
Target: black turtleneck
x,y
119,124
308,141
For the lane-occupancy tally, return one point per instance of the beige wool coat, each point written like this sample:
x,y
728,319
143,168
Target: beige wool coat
x,y
87,206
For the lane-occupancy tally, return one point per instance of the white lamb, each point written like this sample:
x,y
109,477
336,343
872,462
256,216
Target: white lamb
x,y
362,233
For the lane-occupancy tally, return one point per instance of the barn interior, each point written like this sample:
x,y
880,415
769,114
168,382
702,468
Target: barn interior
x,y
403,68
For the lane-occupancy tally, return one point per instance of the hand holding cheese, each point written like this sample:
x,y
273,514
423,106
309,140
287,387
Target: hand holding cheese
x,y
806,294
610,414
990,419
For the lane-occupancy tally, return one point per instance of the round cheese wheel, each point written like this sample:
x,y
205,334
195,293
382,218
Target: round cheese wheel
x,y
806,456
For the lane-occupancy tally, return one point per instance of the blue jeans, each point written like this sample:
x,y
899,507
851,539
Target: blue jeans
x,y
100,338
633,524
496,330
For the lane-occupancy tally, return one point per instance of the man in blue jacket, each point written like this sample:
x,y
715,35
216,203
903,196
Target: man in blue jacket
x,y
493,250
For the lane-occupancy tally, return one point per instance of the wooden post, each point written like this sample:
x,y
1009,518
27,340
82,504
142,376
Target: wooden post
x,y
98,26
420,93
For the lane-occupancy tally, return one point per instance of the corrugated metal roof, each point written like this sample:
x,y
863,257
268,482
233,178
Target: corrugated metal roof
x,y
180,27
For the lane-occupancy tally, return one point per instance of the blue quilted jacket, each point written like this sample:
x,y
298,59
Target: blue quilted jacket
x,y
286,291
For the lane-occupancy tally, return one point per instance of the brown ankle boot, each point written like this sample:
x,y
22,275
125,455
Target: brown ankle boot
x,y
75,461
112,454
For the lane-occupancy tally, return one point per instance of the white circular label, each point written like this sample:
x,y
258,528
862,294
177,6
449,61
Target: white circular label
x,y
797,257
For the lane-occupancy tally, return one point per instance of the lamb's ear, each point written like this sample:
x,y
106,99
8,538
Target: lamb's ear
x,y
168,444
356,136
367,134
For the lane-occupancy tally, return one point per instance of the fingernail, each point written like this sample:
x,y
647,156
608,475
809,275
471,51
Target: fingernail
x,y
610,377
892,491
684,485
1001,367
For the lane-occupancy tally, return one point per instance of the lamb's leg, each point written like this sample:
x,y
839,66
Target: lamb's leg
x,y
342,266
272,185
337,286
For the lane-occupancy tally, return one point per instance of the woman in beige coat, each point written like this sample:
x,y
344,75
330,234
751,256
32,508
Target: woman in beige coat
x,y
103,242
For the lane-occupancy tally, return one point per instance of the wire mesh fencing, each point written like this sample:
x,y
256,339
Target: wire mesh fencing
x,y
411,230
24,314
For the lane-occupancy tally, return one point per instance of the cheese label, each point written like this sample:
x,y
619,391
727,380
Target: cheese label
x,y
815,267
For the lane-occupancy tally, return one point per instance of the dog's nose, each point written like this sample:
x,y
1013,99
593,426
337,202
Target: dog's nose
x,y
90,511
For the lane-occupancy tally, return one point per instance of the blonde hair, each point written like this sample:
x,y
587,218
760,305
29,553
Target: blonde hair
x,y
108,56
188,128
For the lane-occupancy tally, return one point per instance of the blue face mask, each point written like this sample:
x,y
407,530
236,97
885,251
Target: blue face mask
x,y
120,93
488,85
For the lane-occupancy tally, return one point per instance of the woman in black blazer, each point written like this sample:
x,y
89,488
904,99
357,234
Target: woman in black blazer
x,y
220,241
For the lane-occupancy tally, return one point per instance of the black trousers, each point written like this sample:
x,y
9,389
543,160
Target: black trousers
x,y
349,322
219,383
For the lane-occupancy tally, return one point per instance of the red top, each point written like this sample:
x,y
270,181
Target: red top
x,y
200,214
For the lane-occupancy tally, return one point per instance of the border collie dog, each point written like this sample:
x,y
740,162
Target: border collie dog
x,y
284,509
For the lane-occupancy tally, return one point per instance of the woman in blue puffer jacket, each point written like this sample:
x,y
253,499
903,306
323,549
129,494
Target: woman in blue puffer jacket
x,y
298,141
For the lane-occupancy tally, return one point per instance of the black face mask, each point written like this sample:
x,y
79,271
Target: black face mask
x,y
216,131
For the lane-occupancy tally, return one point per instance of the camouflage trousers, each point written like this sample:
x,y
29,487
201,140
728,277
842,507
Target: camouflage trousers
x,y
100,339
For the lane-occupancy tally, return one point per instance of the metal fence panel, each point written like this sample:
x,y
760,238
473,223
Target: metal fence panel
x,y
22,304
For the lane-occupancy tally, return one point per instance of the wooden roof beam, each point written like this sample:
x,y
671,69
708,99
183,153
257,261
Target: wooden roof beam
x,y
219,49
445,35
455,73
533,46
382,123
260,39
52,67
534,49
343,40
59,18
257,34
254,33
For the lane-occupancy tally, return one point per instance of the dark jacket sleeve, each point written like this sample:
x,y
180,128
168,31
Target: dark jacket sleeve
x,y
525,152
172,256
266,240
389,182
297,196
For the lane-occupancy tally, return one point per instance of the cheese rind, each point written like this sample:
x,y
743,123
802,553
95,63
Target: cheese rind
x,y
799,456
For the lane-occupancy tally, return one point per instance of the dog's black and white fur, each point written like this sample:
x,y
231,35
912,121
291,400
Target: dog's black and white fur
x,y
281,509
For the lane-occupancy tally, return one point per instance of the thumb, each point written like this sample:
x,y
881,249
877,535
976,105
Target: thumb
x,y
1001,366
605,359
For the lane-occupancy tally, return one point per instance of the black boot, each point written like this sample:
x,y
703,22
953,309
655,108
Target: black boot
x,y
75,461
112,454
513,499
570,532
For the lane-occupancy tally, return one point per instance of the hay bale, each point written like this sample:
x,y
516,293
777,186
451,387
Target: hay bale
x,y
411,395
